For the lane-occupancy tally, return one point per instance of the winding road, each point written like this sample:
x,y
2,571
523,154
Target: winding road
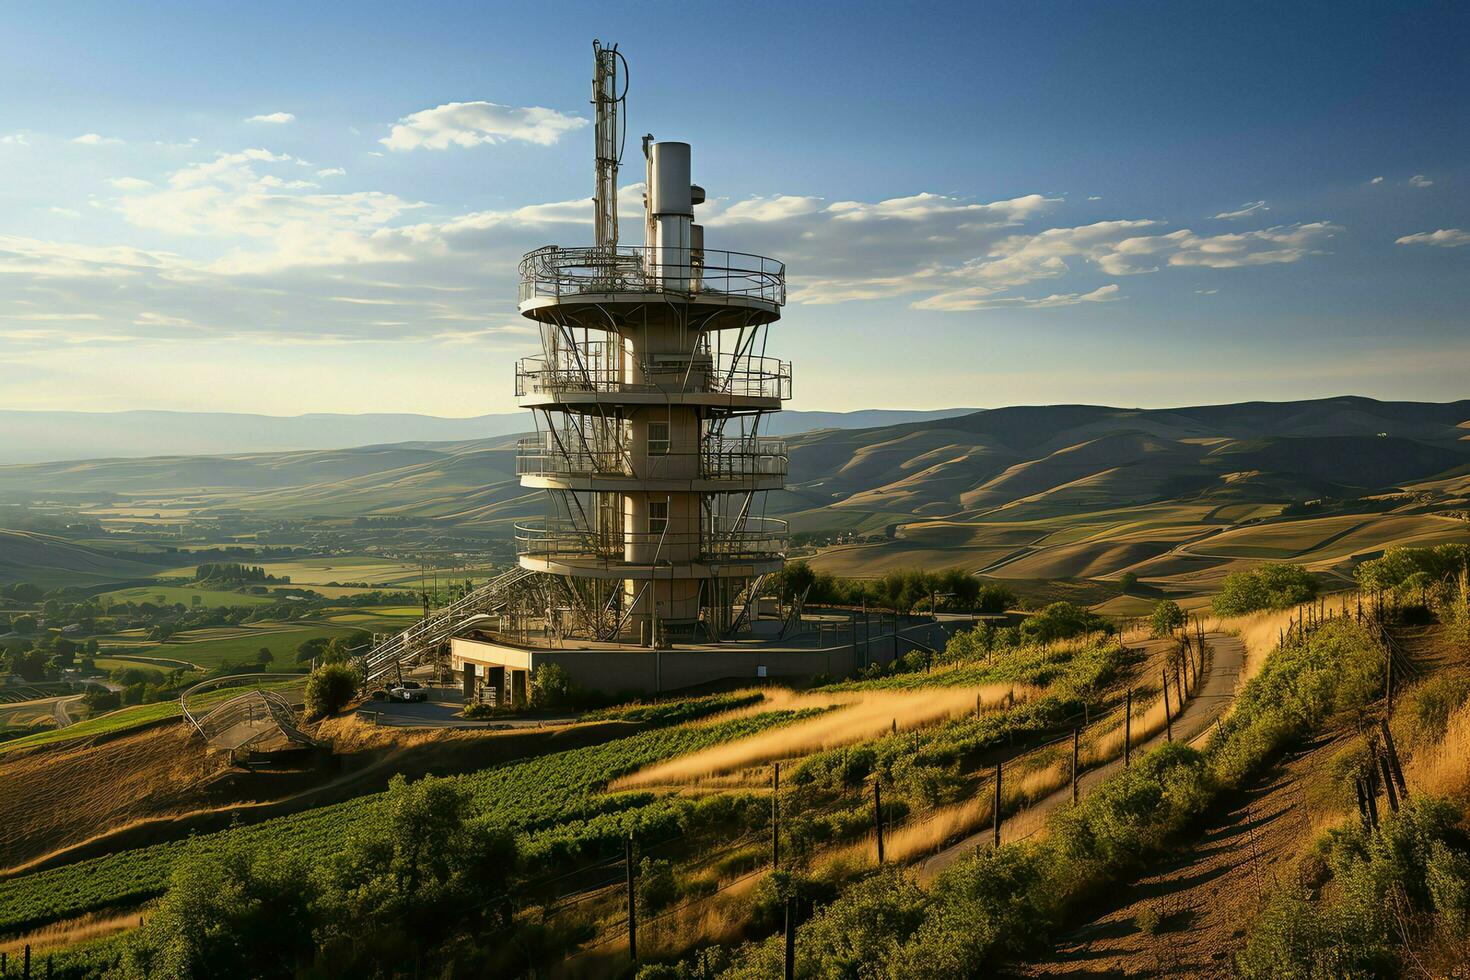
x,y
1193,725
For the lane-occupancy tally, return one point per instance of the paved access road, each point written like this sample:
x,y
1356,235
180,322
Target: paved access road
x,y
1193,725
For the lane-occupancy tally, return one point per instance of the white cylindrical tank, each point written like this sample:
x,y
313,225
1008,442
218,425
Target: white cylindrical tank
x,y
671,208
671,191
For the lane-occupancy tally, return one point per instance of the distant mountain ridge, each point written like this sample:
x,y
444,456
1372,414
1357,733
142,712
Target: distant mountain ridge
x,y
1021,463
41,437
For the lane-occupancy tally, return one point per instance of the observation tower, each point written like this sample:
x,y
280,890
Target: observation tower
x,y
648,396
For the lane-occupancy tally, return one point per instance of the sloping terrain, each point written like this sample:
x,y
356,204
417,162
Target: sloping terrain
x,y
46,560
1072,491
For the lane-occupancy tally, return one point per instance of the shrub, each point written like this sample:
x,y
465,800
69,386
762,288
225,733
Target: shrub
x,y
1061,621
552,687
329,689
1167,617
1392,889
1276,586
657,889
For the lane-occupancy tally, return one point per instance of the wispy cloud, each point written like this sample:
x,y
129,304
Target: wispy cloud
x,y
1444,238
331,172
1419,180
1244,211
276,118
478,123
96,139
1376,180
980,298
15,139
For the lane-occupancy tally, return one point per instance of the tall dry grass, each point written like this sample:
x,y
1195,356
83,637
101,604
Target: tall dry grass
x,y
1443,768
857,716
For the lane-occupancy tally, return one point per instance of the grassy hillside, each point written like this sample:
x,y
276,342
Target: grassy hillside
x,y
48,560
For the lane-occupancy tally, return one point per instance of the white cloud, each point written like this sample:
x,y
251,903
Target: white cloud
x,y
1444,238
65,212
1244,211
1376,180
331,172
130,183
1419,180
1207,292
96,139
476,123
981,298
1095,197
276,118
15,139
1269,246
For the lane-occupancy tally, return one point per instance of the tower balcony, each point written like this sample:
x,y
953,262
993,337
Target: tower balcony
x,y
552,276
720,465
562,547
593,372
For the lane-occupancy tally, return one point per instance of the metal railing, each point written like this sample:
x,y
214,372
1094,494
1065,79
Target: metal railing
x,y
591,367
439,625
558,273
719,459
757,537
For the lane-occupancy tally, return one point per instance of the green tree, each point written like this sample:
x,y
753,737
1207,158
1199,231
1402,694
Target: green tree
x,y
263,656
312,649
1274,586
329,689
1167,617
229,913
24,623
419,869
1127,582
1061,621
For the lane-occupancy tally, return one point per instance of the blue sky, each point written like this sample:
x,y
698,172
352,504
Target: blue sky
x,y
288,208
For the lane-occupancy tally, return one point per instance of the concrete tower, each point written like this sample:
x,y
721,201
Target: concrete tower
x,y
648,397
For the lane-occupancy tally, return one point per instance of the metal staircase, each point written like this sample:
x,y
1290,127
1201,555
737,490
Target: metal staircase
x,y
423,637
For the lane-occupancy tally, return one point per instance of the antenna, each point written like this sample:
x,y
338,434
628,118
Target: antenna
x,y
610,136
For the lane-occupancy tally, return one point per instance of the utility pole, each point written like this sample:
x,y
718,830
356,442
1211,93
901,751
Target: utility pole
x,y
1127,726
996,821
790,937
632,903
878,816
1393,757
1076,737
1168,719
776,817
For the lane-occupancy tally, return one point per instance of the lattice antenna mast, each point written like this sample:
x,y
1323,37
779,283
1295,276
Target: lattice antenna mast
x,y
609,92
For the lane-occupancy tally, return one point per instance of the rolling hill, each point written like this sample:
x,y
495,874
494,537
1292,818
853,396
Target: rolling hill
x,y
1025,492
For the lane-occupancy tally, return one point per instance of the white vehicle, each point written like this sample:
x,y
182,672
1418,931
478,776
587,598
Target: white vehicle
x,y
408,691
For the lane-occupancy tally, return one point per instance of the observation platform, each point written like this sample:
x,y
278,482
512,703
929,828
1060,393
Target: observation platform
x,y
723,289
721,466
564,549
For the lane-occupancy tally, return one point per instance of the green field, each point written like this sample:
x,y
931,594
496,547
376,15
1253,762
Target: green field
x,y
170,594
238,644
